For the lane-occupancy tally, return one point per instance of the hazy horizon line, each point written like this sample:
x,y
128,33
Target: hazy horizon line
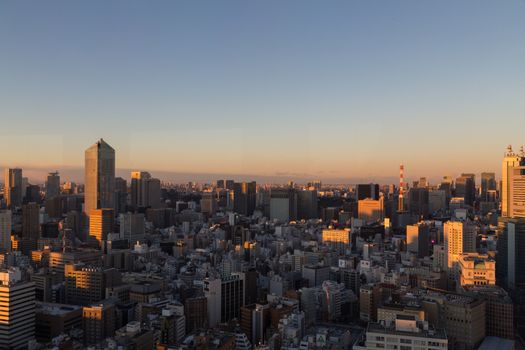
x,y
76,174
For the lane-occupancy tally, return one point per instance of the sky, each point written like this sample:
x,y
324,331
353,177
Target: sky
x,y
337,90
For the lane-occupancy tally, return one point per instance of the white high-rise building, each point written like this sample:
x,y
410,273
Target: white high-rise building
x,y
516,201
17,307
460,238
5,230
510,161
100,177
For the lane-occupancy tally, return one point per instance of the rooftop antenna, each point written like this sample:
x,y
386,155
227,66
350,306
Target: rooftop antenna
x,y
509,151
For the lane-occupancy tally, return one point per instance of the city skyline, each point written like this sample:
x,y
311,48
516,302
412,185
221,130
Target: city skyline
x,y
262,175
77,174
351,89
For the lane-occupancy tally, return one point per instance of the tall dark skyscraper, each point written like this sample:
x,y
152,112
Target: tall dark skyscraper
x,y
418,201
52,185
488,183
466,188
364,191
30,221
510,263
13,187
145,190
121,195
100,177
244,197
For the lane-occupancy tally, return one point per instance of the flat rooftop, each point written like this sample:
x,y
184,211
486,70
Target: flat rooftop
x,y
56,309
431,333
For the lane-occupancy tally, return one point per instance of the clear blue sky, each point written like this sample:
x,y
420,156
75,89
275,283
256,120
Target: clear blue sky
x,y
301,88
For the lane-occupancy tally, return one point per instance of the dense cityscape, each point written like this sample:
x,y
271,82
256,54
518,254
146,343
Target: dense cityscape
x,y
139,263
262,175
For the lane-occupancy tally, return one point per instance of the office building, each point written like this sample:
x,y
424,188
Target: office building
x,y
488,184
254,321
464,321
172,325
510,161
370,210
52,185
516,195
459,238
477,269
31,221
132,227
316,274
33,194
283,204
5,230
101,223
145,190
418,201
367,191
17,308
98,322
54,319
244,197
209,203
510,265
99,190
47,285
135,337
405,333
499,309
337,239
466,188
121,195
87,284
58,260
307,204
224,298
437,201
369,300
13,188
418,239
388,312
196,311
351,279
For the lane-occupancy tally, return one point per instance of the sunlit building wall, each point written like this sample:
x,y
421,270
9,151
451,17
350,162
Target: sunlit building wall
x,y
13,187
17,310
99,177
